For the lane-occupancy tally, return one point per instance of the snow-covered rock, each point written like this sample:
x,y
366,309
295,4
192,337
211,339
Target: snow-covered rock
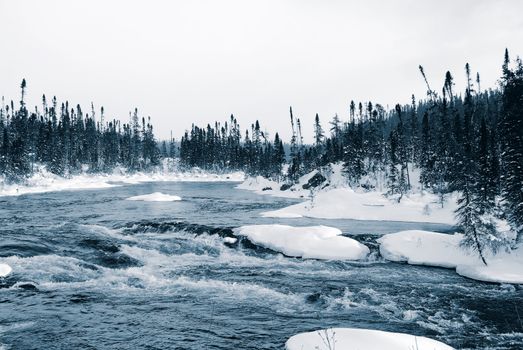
x,y
155,197
313,242
230,240
5,270
443,250
361,339
345,203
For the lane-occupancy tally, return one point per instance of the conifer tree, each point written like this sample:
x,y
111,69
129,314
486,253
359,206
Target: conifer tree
x,y
511,135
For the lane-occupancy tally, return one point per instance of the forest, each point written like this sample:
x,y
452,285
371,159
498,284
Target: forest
x,y
470,142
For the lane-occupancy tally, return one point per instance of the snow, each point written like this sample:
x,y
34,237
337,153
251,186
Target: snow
x,y
339,201
155,197
361,339
43,181
443,250
230,240
345,203
5,270
312,242
261,185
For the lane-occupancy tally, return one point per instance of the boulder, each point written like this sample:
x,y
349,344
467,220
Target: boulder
x,y
314,181
285,187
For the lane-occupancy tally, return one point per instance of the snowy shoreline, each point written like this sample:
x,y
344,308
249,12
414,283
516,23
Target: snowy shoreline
x,y
43,181
443,250
336,200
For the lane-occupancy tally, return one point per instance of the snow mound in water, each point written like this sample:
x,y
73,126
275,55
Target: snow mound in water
x,y
5,270
155,197
345,203
443,250
230,240
361,339
312,242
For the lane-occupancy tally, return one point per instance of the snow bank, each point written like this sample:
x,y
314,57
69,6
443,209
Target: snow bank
x,y
312,242
5,270
443,250
155,197
261,185
361,339
339,201
345,203
44,181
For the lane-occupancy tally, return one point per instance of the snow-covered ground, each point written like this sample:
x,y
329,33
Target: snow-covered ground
x,y
44,181
345,203
443,250
312,242
155,197
261,185
361,339
5,270
339,201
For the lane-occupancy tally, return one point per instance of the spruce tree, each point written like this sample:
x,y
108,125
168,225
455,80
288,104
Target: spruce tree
x,y
511,135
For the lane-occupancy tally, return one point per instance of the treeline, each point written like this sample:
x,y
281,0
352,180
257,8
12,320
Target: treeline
x,y
67,140
471,143
223,147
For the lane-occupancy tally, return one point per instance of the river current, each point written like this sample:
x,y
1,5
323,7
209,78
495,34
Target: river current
x,y
92,270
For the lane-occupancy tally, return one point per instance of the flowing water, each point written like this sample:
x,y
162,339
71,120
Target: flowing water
x,y
94,271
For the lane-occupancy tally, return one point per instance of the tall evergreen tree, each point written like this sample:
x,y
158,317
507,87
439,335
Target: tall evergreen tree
x,y
511,125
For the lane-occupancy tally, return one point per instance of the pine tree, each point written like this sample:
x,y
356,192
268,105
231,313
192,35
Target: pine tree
x,y
511,125
318,131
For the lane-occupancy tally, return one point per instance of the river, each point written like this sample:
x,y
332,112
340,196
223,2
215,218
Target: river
x,y
92,270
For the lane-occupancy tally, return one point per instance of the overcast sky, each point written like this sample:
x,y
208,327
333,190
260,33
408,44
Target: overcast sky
x,y
184,62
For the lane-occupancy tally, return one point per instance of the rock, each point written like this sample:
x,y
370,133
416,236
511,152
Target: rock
x,y
285,187
314,181
267,189
27,286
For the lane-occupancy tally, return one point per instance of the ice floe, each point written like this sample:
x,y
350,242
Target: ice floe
x,y
313,242
155,197
361,339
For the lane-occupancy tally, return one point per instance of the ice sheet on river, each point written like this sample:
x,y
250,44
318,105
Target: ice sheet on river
x,y
361,339
313,242
155,197
443,250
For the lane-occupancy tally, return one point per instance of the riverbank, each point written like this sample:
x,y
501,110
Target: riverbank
x,y
44,181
